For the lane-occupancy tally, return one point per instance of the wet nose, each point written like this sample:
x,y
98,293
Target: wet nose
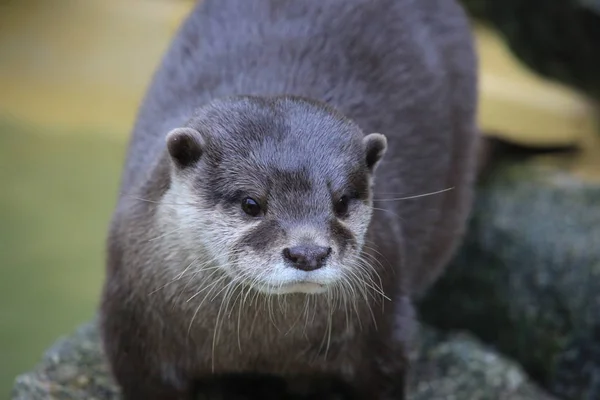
x,y
307,257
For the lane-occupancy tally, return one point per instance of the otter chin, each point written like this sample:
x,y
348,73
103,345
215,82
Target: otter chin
x,y
307,287
285,279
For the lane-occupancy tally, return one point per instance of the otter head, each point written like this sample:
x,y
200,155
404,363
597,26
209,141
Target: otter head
x,y
276,191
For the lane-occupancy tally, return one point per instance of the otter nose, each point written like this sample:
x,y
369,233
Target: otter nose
x,y
307,257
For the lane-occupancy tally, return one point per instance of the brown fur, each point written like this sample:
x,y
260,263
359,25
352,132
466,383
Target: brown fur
x,y
172,309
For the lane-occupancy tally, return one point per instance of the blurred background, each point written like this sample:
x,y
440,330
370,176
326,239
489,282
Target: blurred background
x,y
72,73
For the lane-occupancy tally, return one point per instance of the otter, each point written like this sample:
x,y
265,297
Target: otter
x,y
298,172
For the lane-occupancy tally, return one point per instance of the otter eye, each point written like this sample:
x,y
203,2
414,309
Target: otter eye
x,y
250,207
341,206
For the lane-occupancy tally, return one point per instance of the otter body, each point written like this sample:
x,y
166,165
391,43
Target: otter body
x,y
297,172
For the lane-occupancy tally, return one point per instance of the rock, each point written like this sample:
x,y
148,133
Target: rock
x,y
527,279
72,369
578,368
454,367
458,367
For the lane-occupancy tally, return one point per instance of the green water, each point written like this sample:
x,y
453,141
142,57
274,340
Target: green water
x,y
56,196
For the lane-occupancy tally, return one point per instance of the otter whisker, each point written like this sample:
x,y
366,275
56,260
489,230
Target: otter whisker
x,y
219,319
387,211
315,306
248,286
293,325
215,285
366,274
257,295
334,296
371,283
375,289
329,327
176,278
206,287
240,307
305,312
360,284
202,266
226,287
257,309
194,271
416,196
355,285
230,288
348,291
202,302
369,245
279,298
343,302
365,261
251,285
167,234
326,333
355,302
243,277
338,297
157,202
271,313
197,269
188,267
373,270
243,297
256,312
215,270
239,321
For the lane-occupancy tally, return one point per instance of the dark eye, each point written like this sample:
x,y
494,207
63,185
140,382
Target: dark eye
x,y
341,206
250,207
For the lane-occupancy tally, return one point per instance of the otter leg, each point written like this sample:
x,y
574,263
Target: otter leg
x,y
137,372
384,376
390,381
134,385
388,367
135,360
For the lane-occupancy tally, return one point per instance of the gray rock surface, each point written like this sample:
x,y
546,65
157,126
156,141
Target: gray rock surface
x,y
454,367
458,367
73,368
527,279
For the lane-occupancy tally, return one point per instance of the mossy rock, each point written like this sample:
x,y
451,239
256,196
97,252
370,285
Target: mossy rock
x,y
445,367
527,279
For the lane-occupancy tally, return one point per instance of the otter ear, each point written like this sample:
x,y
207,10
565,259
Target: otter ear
x,y
375,148
185,146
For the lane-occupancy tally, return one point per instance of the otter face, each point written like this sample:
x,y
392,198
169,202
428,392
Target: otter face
x,y
277,191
